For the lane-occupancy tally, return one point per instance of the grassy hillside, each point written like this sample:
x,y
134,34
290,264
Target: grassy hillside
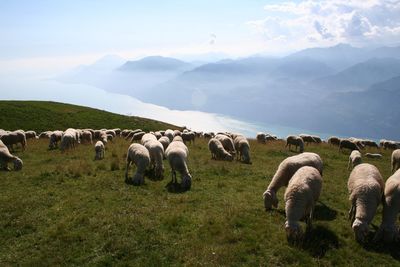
x,y
41,116
67,209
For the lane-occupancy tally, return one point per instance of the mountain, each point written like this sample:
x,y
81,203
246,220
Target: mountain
x,y
156,64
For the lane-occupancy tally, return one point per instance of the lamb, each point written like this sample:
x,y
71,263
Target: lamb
x,y
218,151
365,187
296,141
395,160
243,148
303,191
170,134
31,135
99,150
345,143
13,138
156,151
6,157
138,154
285,172
373,155
333,140
354,159
388,230
227,142
55,137
177,154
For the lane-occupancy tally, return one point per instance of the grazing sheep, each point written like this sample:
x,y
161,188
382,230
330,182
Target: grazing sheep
x,y
6,157
177,133
44,135
170,134
31,135
117,131
111,132
365,187
218,151
177,154
261,137
156,151
132,133
55,137
99,150
147,137
373,155
317,139
333,140
301,195
242,146
296,141
68,140
307,138
164,141
354,159
13,138
188,137
346,143
370,143
285,172
389,231
391,144
209,135
395,160
177,138
227,142
87,137
138,154
137,136
158,135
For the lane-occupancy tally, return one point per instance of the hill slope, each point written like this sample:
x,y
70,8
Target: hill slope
x,y
42,115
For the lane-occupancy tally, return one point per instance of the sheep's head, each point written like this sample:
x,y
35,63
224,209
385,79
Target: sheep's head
x,y
18,164
293,232
228,157
186,182
361,230
270,199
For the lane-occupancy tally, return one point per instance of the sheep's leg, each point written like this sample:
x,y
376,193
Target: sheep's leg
x,y
128,162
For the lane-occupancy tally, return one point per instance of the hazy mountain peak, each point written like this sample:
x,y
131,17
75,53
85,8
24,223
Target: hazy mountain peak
x,y
155,63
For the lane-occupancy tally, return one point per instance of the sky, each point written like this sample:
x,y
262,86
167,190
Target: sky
x,y
59,34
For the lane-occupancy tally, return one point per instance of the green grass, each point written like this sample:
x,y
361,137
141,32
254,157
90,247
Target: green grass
x,y
67,209
42,116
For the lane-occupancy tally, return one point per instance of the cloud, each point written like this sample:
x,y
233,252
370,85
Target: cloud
x,y
357,22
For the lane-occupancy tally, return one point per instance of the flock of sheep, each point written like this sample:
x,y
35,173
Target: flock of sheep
x,y
300,174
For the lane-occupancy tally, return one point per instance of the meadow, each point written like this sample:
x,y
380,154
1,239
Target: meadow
x,y
68,209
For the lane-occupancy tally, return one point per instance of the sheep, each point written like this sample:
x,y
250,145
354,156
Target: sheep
x,y
158,135
208,135
296,141
170,134
354,159
117,131
6,157
370,143
388,230
147,137
395,160
301,194
137,136
188,137
45,134
365,186
13,138
285,171
132,133
164,141
55,137
156,151
333,140
111,132
177,133
87,137
243,148
346,143
68,140
227,142
218,151
177,138
99,150
261,137
307,138
373,155
177,154
317,139
31,135
391,145
138,154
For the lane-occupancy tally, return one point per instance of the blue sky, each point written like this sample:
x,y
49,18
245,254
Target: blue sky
x,y
45,33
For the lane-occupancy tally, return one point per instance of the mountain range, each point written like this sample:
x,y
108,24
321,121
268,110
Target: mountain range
x,y
341,90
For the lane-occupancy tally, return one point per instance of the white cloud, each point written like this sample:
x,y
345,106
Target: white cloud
x,y
357,22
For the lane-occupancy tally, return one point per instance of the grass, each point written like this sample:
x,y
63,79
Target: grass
x,y
42,115
67,209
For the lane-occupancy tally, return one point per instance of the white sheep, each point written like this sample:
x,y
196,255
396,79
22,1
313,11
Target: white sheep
x,y
55,137
388,231
138,154
218,151
285,171
354,159
296,141
188,137
164,141
147,137
170,134
261,137
177,154
303,191
68,140
177,138
156,151
242,147
227,142
13,138
31,135
99,150
87,136
395,160
6,157
365,187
